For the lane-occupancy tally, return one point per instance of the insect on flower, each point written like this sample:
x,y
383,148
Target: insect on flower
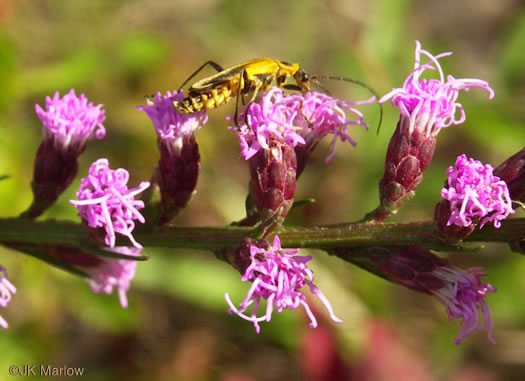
x,y
249,77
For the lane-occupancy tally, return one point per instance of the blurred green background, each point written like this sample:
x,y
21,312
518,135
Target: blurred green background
x,y
177,326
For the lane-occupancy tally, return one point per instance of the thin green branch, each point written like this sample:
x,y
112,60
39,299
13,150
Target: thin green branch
x,y
23,231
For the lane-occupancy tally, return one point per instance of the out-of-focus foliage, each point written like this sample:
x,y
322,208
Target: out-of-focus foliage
x,y
177,326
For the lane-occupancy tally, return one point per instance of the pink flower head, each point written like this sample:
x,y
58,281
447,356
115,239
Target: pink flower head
x,y
463,294
113,272
295,119
71,121
6,289
171,125
277,277
104,201
430,104
473,191
319,115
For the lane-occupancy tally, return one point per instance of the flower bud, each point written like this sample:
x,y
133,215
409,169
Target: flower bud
x,y
512,171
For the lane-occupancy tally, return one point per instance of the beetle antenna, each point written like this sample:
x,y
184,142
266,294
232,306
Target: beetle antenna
x,y
318,83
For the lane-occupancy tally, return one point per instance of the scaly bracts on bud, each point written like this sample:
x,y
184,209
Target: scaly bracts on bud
x,y
272,183
472,195
179,163
106,204
426,107
68,123
267,143
512,171
460,291
277,276
6,290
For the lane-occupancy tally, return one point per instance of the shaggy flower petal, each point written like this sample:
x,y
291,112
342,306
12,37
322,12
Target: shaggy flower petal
x,y
104,201
110,273
463,294
473,191
6,290
71,121
169,124
295,119
277,277
431,104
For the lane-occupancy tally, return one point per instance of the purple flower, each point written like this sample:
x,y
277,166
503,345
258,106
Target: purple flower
x,y
179,165
112,272
104,201
474,192
430,104
318,115
71,121
427,106
463,294
277,277
295,119
170,125
6,289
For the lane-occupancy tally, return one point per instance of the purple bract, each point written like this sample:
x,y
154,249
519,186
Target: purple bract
x,y
277,277
473,191
104,201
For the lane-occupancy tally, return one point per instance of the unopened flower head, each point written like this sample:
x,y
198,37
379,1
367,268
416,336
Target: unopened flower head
x,y
113,272
431,104
463,293
6,290
512,171
277,276
171,126
104,201
295,119
474,192
71,121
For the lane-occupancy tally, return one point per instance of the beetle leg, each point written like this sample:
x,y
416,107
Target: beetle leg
x,y
242,82
290,86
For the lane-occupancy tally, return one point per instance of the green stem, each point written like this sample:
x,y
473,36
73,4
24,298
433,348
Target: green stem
x,y
213,238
